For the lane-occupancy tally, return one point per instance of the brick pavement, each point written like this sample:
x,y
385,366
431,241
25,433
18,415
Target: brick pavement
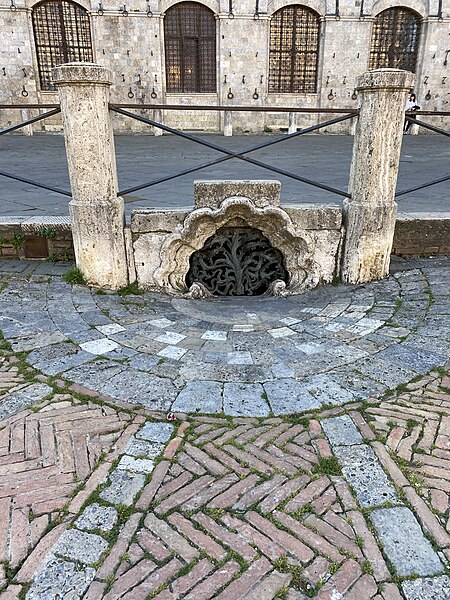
x,y
106,499
244,508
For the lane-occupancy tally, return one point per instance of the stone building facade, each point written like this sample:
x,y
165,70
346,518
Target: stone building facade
x,y
131,38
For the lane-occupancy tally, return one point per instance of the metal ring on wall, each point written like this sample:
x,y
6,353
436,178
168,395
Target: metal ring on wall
x,y
230,95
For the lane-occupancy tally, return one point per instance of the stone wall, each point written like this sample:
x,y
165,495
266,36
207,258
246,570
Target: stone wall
x,y
415,234
133,48
422,234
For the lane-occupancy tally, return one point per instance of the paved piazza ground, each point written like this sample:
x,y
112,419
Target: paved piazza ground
x,y
143,158
295,448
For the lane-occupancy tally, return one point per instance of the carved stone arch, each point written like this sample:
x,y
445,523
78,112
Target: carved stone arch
x,y
190,48
274,223
62,33
418,6
318,6
86,4
213,5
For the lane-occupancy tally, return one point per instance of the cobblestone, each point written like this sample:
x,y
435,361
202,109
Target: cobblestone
x,y
97,517
61,579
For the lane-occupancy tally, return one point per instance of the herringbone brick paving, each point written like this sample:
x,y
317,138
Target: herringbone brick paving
x,y
266,514
45,454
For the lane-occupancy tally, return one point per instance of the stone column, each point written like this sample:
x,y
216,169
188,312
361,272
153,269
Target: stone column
x,y
97,214
370,213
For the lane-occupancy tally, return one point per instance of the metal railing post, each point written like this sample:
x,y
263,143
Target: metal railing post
x,y
370,212
97,214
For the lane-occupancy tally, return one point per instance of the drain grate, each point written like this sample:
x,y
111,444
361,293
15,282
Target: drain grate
x,y
237,261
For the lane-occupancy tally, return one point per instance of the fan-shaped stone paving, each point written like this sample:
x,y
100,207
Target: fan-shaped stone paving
x,y
292,468
245,357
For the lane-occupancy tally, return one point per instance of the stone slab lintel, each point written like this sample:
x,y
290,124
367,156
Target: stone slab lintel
x,y
263,192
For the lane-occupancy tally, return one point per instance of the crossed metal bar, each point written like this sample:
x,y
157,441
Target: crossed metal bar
x,y
230,154
415,121
50,113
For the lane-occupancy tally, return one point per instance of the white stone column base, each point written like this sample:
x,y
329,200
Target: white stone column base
x,y
99,241
369,236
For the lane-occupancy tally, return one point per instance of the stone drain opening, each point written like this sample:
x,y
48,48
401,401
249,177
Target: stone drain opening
x,y
237,261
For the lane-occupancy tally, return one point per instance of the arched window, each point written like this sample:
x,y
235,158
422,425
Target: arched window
x,y
294,50
395,40
62,34
190,44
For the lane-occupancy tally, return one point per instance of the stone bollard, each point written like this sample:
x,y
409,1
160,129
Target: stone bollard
x,y
158,117
27,129
292,127
227,123
97,214
370,213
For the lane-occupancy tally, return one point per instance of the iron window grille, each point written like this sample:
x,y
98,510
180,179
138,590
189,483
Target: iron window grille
x,y
395,40
294,51
190,48
62,34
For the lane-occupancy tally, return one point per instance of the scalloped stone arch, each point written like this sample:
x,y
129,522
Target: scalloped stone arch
x,y
417,6
294,244
318,6
213,5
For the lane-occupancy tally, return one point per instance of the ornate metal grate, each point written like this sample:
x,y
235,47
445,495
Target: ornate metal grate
x,y
395,40
62,34
190,45
294,51
236,261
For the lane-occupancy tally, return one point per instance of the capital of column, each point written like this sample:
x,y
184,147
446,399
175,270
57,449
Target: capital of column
x,y
81,73
385,79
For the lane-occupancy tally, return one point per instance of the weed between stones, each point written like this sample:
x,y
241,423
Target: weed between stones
x,y
74,277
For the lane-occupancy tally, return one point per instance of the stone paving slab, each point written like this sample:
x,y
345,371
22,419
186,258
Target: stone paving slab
x,y
428,588
403,542
329,347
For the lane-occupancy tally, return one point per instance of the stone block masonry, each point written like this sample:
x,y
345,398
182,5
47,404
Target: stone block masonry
x,y
132,47
36,237
416,234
